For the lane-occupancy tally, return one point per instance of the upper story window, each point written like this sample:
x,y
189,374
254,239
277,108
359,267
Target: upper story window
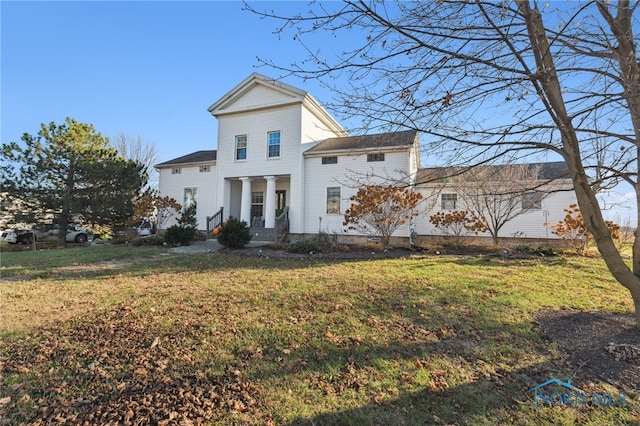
x,y
532,201
449,201
375,157
273,139
205,169
241,147
176,171
329,160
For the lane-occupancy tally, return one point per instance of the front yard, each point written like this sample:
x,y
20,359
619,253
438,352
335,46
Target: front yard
x,y
125,335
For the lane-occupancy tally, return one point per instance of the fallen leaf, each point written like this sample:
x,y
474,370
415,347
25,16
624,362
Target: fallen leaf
x,y
155,343
141,371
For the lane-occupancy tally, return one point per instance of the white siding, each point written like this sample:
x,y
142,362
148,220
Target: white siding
x,y
313,130
260,96
256,125
527,225
173,185
321,176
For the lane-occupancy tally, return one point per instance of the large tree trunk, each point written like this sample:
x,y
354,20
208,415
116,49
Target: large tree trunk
x,y
550,92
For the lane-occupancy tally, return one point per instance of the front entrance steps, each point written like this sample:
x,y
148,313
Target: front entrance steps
x,y
263,234
258,234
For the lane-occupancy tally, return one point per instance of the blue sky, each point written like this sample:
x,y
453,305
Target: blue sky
x,y
142,68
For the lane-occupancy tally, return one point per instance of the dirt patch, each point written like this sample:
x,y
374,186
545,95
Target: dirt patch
x,y
355,254
102,266
360,253
605,345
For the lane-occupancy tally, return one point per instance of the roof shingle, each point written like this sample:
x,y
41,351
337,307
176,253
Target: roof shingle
x,y
194,157
546,171
380,140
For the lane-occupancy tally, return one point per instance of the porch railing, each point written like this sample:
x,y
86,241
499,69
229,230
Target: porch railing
x,y
214,221
282,225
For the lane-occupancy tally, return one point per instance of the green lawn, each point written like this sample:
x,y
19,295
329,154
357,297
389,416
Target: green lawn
x,y
141,336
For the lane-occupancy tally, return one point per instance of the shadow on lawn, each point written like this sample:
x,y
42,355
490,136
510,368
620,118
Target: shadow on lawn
x,y
147,265
418,374
397,354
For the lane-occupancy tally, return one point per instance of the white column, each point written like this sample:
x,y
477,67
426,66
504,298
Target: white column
x,y
245,201
270,203
225,200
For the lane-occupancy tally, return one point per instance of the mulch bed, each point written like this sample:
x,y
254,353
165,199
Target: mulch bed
x,y
604,345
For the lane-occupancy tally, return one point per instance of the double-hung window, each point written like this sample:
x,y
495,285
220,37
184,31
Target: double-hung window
x,y
241,147
333,200
190,198
273,140
449,201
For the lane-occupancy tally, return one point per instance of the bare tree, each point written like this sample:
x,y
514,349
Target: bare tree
x,y
140,151
500,193
484,80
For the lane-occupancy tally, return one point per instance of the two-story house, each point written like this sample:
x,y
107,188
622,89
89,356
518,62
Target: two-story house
x,y
279,152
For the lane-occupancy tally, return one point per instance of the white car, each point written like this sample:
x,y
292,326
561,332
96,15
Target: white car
x,y
146,228
15,236
75,234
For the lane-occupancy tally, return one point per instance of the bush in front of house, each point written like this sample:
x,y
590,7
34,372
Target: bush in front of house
x,y
320,243
153,240
541,251
234,234
185,230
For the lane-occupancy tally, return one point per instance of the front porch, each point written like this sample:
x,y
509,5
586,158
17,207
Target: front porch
x,y
260,201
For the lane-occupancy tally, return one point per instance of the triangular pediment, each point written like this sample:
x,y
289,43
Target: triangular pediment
x,y
257,92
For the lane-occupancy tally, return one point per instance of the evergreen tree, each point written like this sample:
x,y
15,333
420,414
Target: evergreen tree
x,y
68,173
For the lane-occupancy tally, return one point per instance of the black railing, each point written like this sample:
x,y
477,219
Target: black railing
x,y
213,222
282,225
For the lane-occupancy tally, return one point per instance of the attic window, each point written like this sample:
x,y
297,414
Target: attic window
x,y
375,157
205,169
330,160
176,171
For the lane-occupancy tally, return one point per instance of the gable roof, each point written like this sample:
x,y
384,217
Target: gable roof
x,y
225,105
403,139
194,157
546,171
232,103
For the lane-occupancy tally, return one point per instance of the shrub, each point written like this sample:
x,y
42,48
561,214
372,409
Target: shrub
x,y
381,210
234,233
154,240
178,235
459,225
574,229
542,251
185,230
320,243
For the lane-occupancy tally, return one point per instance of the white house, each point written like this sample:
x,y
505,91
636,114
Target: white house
x,y
282,156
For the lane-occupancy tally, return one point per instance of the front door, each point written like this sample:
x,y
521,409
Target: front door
x,y
257,203
281,201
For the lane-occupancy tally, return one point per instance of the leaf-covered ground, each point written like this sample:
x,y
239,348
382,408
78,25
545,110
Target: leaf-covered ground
x,y
157,339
